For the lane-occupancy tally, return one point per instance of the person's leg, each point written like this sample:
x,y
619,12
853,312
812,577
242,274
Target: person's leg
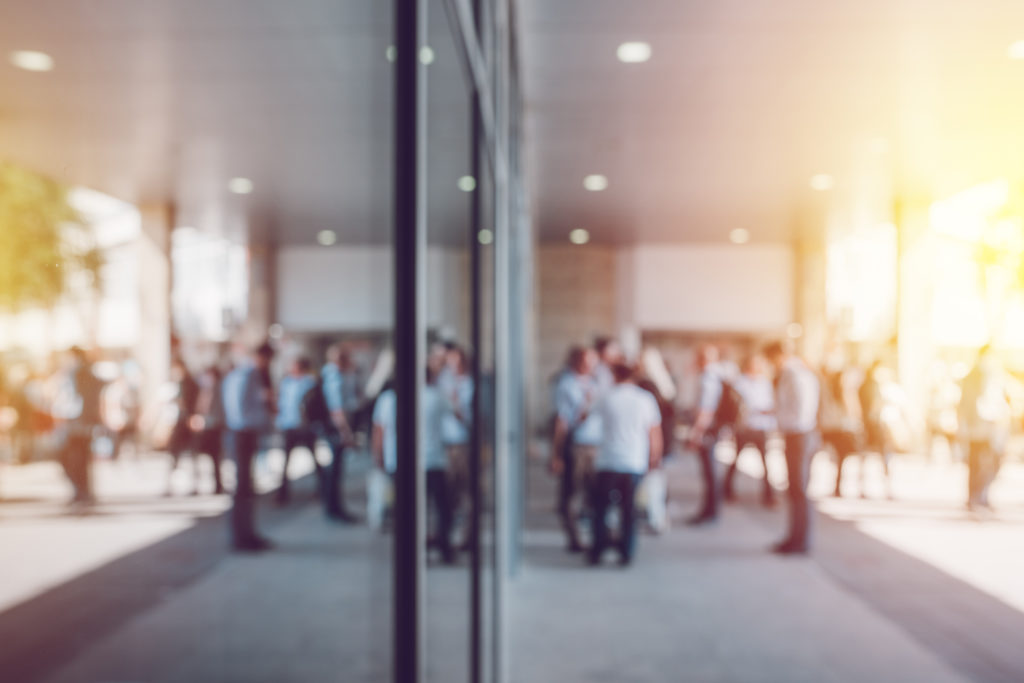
x,y
214,439
797,460
760,441
291,441
81,456
437,494
709,508
243,526
728,493
990,469
626,485
566,491
603,484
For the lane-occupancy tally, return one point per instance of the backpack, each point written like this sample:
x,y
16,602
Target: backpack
x,y
314,408
730,407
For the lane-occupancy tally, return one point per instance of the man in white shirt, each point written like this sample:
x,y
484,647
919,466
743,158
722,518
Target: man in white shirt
x,y
797,396
631,444
756,421
704,433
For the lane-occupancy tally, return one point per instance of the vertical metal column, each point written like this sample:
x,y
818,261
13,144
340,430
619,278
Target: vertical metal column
x,y
409,237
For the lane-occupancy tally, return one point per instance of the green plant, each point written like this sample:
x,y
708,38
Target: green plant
x,y
46,249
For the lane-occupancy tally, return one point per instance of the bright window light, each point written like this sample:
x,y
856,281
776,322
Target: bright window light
x,y
31,60
595,183
634,52
467,183
240,185
579,236
739,236
326,237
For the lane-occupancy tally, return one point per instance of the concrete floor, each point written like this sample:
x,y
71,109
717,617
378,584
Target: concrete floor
x,y
143,592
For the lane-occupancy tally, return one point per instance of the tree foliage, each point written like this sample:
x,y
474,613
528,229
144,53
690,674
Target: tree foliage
x,y
46,250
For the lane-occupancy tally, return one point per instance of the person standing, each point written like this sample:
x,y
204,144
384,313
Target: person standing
x,y
184,394
609,354
455,429
704,433
631,444
208,423
574,398
756,422
291,421
797,396
77,410
985,416
247,412
435,460
337,431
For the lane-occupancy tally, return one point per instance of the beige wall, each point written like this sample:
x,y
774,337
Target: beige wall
x,y
577,292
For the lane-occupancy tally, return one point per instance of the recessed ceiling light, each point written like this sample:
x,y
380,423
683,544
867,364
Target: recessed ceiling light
x,y
426,55
275,331
32,60
794,330
739,236
485,236
1016,50
579,236
240,185
391,53
595,183
326,237
822,182
466,183
634,52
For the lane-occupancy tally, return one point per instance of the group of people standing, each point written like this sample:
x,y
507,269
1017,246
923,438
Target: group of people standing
x,y
606,434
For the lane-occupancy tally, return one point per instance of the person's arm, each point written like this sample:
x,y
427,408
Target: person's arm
x,y
657,446
556,463
377,445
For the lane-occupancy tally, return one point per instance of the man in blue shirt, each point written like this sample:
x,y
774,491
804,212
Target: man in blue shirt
x,y
292,421
337,386
575,395
247,402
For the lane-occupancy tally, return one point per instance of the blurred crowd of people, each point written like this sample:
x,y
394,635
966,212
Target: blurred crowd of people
x,y
615,420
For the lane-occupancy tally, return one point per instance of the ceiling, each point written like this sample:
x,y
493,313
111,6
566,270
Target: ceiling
x,y
164,101
744,100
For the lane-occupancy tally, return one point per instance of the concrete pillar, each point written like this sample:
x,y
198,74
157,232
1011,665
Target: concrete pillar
x,y
262,303
810,305
153,348
914,344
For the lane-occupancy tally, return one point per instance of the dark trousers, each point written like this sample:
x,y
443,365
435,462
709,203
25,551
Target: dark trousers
x,y
566,491
800,449
439,498
605,484
706,455
298,438
983,464
210,442
76,459
759,440
244,445
333,485
845,443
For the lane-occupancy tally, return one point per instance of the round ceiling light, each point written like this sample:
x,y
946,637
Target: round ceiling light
x,y
822,182
739,236
240,185
32,60
634,52
595,183
326,237
1016,50
579,236
466,183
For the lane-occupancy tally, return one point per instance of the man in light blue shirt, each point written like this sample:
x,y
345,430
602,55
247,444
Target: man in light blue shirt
x,y
704,433
756,421
797,396
574,398
338,392
247,401
292,422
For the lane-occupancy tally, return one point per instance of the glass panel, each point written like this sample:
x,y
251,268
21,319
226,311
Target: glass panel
x,y
450,184
232,176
